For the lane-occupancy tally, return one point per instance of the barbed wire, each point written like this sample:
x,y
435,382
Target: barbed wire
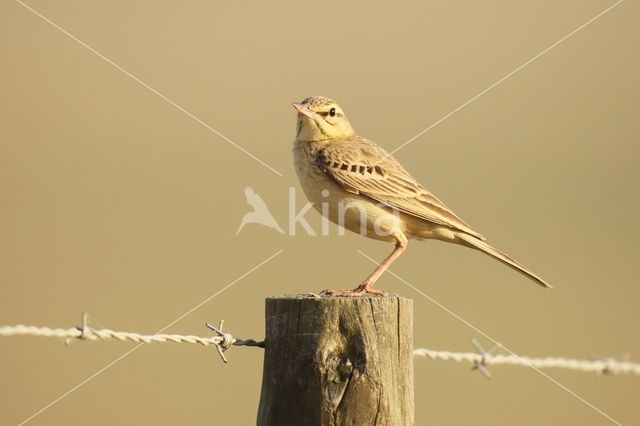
x,y
105,334
604,365
222,341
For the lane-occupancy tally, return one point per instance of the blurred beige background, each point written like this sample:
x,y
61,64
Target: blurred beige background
x,y
115,202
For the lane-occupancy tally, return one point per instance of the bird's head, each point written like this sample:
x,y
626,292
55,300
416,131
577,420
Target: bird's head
x,y
321,118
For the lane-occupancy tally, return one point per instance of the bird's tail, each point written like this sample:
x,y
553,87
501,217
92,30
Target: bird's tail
x,y
473,242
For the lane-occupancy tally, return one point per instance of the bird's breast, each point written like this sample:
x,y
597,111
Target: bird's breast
x,y
354,212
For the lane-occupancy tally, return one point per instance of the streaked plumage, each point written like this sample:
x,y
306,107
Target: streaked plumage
x,y
329,155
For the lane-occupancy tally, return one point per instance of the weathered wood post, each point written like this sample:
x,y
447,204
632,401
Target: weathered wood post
x,y
337,361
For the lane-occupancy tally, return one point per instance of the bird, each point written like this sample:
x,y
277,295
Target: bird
x,y
260,213
363,188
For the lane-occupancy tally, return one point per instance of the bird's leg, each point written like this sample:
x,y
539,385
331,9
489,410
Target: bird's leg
x,y
365,288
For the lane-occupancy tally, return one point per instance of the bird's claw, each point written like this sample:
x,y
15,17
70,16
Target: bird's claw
x,y
361,290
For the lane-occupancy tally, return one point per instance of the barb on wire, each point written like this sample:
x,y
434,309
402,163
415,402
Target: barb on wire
x,y
228,340
482,359
222,341
480,363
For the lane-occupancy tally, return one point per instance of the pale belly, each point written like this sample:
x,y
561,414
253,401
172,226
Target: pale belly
x,y
353,212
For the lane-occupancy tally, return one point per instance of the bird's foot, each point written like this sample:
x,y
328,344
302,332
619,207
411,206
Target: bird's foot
x,y
361,290
314,295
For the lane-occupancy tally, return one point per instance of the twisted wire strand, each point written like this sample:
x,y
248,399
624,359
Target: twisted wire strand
x,y
603,365
106,334
224,341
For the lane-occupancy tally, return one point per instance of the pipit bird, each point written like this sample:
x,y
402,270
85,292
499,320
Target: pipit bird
x,y
358,185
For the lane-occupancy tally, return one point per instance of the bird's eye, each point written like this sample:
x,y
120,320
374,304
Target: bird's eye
x,y
332,112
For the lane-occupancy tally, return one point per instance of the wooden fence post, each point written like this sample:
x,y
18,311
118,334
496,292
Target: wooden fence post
x,y
337,361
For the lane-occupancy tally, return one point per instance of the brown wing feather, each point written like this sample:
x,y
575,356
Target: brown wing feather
x,y
360,166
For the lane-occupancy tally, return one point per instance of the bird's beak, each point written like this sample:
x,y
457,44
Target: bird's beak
x,y
303,111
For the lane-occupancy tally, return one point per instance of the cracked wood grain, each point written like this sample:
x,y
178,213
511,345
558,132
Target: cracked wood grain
x,y
337,361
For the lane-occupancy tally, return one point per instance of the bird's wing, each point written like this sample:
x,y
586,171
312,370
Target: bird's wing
x,y
361,167
254,199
